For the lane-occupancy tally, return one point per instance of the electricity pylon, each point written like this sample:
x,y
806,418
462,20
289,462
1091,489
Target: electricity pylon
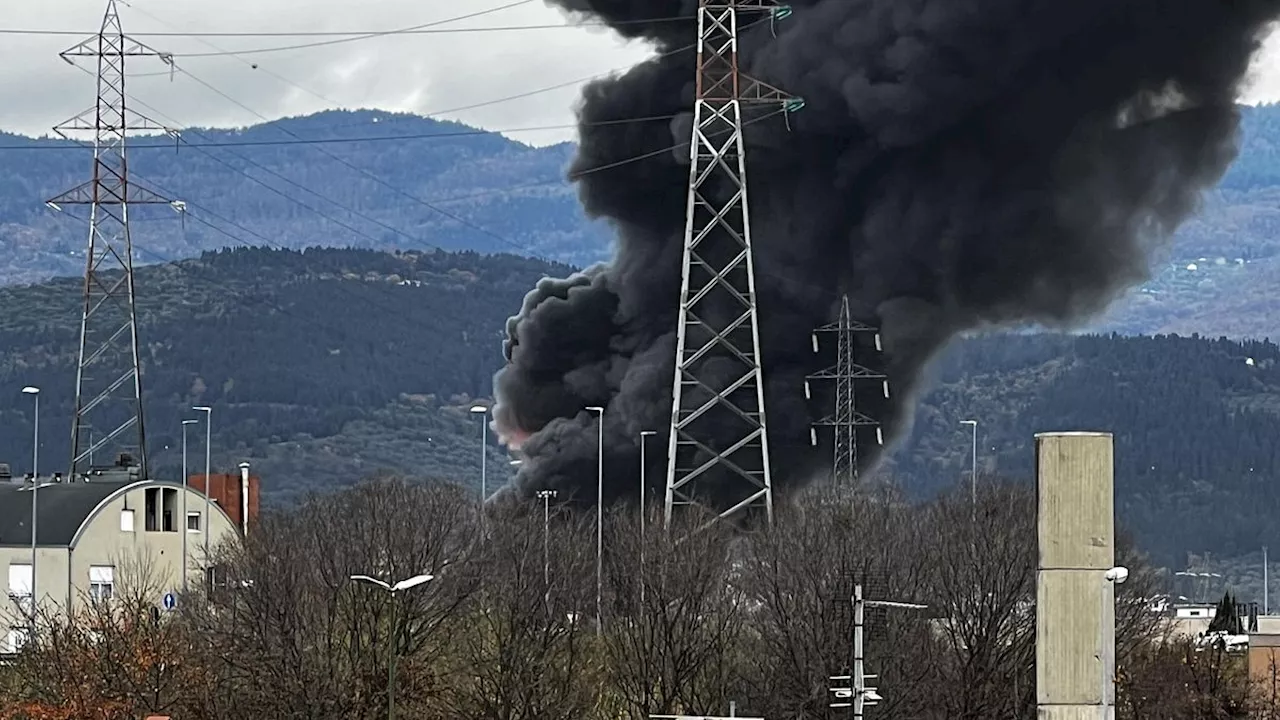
x,y
845,418
718,451
108,377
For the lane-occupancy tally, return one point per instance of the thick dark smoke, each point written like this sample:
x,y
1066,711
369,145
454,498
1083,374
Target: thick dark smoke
x,y
959,164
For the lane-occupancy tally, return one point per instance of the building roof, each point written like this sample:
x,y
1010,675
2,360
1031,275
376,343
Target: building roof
x,y
61,508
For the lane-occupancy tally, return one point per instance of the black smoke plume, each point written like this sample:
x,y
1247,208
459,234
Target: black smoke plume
x,y
959,164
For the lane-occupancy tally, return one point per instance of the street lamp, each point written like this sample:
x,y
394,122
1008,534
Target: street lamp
x,y
599,411
973,473
35,485
208,439
643,518
483,412
186,569
35,441
546,496
405,584
1107,650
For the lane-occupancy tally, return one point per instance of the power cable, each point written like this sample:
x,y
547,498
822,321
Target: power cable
x,y
431,205
62,146
363,34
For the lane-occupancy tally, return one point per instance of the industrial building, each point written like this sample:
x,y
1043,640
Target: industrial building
x,y
110,531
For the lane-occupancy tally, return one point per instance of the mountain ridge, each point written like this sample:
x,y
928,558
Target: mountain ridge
x,y
276,184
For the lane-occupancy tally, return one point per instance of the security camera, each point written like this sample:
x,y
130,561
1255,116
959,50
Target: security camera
x,y
1117,575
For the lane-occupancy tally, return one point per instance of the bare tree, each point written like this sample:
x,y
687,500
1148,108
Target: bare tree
x,y
296,637
520,657
108,657
802,575
1177,680
673,635
983,572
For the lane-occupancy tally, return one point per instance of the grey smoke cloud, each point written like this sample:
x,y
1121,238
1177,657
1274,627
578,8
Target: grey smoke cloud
x,y
959,164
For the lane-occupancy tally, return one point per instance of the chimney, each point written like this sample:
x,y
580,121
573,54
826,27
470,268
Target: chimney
x,y
244,498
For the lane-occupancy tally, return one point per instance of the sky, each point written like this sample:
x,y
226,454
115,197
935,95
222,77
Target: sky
x,y
461,68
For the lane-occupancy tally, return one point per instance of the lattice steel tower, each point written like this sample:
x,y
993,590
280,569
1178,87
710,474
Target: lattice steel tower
x,y
718,452
108,377
845,418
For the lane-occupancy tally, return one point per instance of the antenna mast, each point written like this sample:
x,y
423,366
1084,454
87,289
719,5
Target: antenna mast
x,y
718,451
108,377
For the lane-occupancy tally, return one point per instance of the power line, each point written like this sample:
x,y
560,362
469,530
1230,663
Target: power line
x,y
62,146
338,41
362,33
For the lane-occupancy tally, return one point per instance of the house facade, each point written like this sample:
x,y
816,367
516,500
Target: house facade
x,y
98,537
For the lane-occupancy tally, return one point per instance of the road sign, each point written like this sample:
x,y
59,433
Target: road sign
x,y
170,601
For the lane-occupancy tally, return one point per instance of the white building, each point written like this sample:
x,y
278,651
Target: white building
x,y
98,537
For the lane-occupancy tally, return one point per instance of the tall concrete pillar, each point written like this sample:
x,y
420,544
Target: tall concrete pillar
x,y
1075,609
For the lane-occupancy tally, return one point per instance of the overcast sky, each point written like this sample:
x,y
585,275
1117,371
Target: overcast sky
x,y
432,73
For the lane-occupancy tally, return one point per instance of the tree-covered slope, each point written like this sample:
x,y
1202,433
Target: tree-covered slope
x,y
337,179
323,366
290,349
397,181
1194,423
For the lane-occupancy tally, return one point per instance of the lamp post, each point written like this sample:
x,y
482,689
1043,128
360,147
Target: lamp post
x,y
599,411
208,438
1107,645
546,496
405,584
973,472
643,517
35,485
483,412
186,569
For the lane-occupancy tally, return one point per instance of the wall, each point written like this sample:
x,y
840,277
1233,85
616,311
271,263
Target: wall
x,y
1074,605
146,561
226,491
51,583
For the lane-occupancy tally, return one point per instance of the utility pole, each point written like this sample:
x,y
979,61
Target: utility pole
x,y
857,694
1266,584
718,429
845,418
108,373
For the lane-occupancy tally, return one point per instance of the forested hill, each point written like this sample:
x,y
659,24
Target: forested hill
x,y
364,178
1194,419
326,365
292,350
397,181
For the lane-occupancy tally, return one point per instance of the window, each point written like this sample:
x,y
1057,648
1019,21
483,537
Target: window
x,y
152,500
126,521
101,582
20,584
17,638
169,501
193,522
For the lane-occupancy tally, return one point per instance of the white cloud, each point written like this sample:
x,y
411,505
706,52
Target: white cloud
x,y
423,73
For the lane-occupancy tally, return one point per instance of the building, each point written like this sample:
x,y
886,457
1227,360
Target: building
x,y
105,533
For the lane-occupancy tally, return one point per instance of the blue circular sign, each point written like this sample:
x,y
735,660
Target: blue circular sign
x,y
170,601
